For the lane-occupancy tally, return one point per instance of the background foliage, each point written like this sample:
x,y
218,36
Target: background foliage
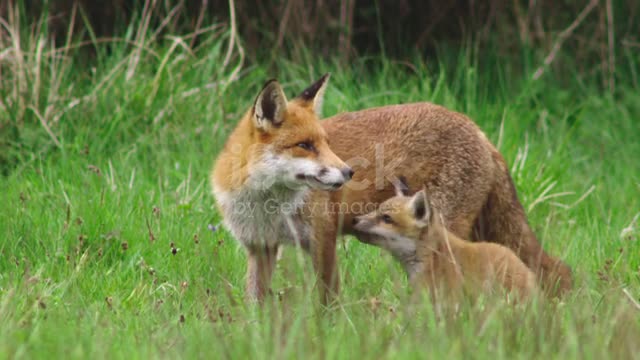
x,y
111,114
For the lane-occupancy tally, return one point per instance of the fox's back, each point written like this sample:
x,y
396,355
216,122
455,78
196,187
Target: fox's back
x,y
423,128
426,143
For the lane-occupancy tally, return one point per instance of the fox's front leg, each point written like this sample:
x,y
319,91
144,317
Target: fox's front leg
x,y
323,253
261,262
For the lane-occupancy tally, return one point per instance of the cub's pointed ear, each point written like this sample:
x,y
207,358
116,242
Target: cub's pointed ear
x,y
401,186
419,207
313,96
270,106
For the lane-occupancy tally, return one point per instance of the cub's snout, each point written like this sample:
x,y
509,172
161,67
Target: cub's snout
x,y
362,223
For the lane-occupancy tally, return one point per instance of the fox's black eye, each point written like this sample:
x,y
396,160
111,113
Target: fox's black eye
x,y
306,145
387,219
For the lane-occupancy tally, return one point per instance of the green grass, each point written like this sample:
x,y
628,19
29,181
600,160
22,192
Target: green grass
x,y
87,269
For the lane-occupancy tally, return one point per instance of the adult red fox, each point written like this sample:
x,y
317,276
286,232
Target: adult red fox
x,y
281,176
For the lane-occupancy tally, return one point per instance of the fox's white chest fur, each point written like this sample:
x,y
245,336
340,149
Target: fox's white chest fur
x,y
258,217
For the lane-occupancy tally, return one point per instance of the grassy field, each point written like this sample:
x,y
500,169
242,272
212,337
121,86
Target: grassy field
x,y
111,245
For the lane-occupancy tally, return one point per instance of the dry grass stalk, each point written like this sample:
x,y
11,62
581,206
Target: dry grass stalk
x,y
564,35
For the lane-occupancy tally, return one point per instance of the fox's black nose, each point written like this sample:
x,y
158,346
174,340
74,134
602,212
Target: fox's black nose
x,y
355,221
347,173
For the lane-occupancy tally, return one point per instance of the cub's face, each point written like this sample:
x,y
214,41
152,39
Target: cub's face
x,y
397,223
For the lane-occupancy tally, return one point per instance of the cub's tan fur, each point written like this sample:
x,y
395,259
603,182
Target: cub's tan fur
x,y
262,165
447,265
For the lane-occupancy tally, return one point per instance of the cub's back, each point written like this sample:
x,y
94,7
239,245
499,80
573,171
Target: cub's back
x,y
506,267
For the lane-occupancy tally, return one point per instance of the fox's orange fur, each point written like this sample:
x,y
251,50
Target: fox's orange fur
x,y
262,165
465,175
265,177
447,265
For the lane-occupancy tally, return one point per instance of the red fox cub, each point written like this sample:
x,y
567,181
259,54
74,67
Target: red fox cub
x,y
280,179
412,231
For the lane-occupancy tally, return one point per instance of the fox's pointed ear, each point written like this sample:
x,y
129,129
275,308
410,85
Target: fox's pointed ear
x,y
419,207
401,186
313,96
270,106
